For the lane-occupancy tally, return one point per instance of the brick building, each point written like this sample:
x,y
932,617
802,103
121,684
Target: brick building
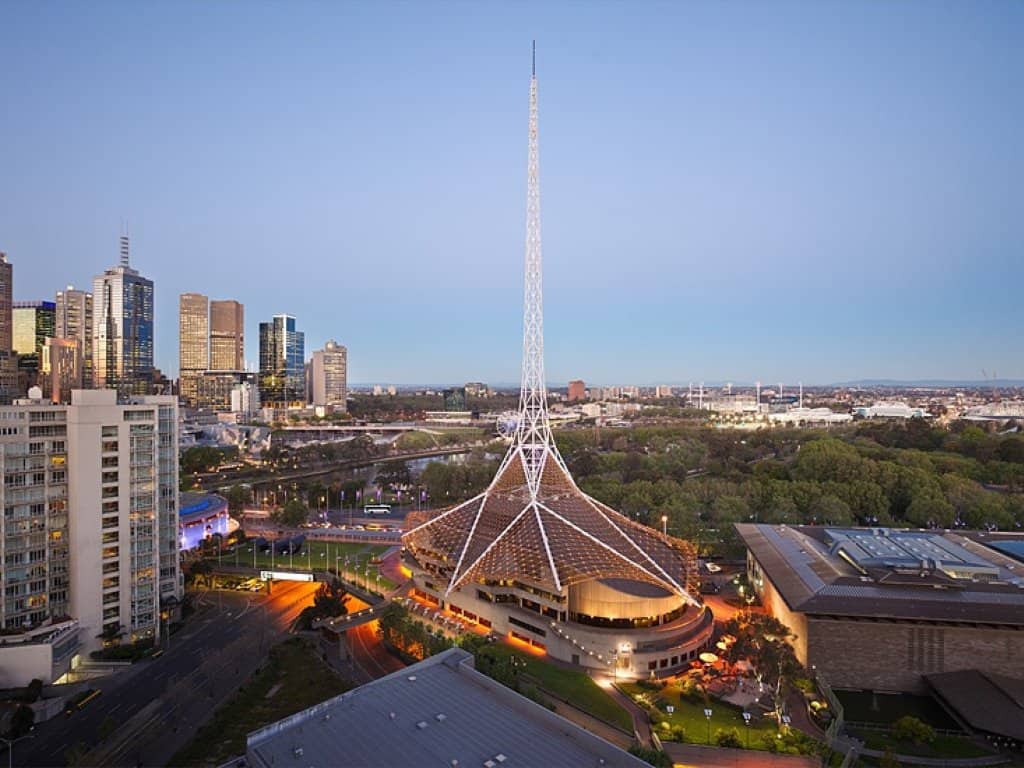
x,y
879,609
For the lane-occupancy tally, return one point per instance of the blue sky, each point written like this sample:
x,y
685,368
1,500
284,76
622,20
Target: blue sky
x,y
730,191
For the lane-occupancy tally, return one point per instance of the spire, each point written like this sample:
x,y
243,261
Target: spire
x,y
124,251
533,436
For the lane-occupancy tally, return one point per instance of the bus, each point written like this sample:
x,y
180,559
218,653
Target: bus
x,y
377,509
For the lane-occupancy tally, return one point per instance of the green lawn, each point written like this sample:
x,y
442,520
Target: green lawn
x,y
943,746
690,715
571,685
321,555
305,680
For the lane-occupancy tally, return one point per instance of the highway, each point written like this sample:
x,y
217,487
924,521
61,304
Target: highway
x,y
158,704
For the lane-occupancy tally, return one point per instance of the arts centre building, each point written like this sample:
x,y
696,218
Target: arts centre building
x,y
535,559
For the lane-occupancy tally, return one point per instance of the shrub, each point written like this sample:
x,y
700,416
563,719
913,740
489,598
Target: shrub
x,y
655,757
910,728
728,737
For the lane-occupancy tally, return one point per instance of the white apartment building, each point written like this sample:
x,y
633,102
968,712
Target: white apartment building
x,y
89,541
329,374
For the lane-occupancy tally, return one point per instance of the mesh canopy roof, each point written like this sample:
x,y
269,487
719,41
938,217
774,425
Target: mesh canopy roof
x,y
552,538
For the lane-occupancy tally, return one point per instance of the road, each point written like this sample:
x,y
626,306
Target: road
x,y
159,703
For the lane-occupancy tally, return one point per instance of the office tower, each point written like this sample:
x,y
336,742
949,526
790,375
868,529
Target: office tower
x,y
193,342
8,362
329,373
60,369
227,336
282,359
74,321
100,480
33,323
123,329
577,391
213,388
245,399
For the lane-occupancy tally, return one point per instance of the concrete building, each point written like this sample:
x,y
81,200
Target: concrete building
x,y
91,532
577,391
881,609
440,711
123,483
123,329
890,411
245,399
227,336
663,391
329,376
214,388
193,343
8,362
282,378
74,321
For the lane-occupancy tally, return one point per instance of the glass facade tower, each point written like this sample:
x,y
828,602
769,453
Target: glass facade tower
x,y
282,362
123,329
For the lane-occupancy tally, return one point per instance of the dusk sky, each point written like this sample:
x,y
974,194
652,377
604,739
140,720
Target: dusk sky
x,y
816,191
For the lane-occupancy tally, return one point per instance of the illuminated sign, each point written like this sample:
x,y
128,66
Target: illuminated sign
x,y
285,576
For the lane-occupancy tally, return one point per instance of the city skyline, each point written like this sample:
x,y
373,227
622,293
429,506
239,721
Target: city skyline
x,y
826,200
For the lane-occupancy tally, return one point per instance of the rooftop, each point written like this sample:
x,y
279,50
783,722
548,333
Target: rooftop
x,y
440,711
987,702
885,573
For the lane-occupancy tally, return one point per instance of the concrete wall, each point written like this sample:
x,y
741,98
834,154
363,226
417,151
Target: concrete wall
x,y
892,656
19,664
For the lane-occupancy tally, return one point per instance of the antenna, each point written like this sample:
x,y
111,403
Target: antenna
x,y
534,72
124,250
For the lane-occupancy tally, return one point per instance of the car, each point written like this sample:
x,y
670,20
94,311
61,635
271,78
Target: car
x,y
713,568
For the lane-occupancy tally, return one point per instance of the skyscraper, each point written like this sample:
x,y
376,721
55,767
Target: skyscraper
x,y
282,356
60,369
329,372
193,342
123,329
8,366
74,321
227,336
34,322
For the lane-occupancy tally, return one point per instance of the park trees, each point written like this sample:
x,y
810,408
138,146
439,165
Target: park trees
x,y
767,643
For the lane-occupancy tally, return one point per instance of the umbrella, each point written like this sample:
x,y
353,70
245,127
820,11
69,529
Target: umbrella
x,y
708,658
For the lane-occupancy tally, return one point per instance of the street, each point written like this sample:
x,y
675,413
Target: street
x,y
158,704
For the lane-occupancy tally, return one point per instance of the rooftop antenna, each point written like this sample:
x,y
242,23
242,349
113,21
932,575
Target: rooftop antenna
x,y
124,244
534,59
801,394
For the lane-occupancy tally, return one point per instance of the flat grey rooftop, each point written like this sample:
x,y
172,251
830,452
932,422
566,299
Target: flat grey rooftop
x,y
893,574
440,712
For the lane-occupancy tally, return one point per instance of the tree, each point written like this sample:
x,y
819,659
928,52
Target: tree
x,y
910,728
766,642
238,497
291,515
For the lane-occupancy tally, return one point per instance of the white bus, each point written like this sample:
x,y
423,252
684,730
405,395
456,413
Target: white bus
x,y
377,509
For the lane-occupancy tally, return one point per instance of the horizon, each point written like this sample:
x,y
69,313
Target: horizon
x,y
759,197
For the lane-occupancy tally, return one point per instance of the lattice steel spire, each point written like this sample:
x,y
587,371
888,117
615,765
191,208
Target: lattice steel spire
x,y
533,524
533,440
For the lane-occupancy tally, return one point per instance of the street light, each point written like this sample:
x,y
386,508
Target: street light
x,y
707,714
10,746
746,722
786,720
664,525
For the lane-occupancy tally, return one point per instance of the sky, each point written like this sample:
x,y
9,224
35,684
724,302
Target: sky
x,y
731,191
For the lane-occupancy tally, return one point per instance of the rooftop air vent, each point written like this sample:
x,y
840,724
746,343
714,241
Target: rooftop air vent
x,y
391,715
411,678
441,717
500,758
489,764
421,724
297,751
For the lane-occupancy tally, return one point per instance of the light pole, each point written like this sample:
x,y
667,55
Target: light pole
x,y
10,746
746,722
664,525
707,714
